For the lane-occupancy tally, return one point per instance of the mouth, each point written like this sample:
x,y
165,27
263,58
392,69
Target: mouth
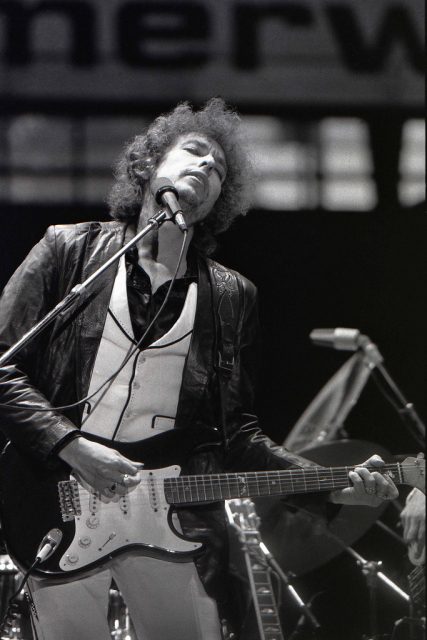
x,y
200,176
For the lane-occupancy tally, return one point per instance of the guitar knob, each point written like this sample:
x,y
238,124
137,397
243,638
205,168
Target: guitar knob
x,y
72,558
85,541
92,522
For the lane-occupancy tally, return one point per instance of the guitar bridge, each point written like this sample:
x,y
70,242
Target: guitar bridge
x,y
69,499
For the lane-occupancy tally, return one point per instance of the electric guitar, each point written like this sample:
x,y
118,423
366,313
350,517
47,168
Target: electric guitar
x,y
35,500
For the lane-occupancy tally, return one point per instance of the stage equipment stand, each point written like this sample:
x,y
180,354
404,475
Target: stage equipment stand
x,y
260,564
373,575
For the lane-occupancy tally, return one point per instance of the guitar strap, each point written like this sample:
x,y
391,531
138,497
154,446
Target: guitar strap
x,y
225,295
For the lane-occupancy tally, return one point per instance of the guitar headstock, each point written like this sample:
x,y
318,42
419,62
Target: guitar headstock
x,y
245,518
414,472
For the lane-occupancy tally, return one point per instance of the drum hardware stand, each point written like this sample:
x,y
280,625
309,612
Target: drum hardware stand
x,y
372,573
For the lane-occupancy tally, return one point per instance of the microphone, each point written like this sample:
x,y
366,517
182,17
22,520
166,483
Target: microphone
x,y
166,194
339,338
48,544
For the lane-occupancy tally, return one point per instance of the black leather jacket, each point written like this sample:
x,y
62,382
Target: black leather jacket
x,y
56,369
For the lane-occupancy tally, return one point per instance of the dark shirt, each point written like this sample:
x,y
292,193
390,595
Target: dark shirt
x,y
144,304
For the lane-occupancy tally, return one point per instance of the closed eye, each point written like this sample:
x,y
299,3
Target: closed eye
x,y
193,149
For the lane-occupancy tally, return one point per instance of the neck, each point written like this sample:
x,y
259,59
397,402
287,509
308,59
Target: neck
x,y
158,252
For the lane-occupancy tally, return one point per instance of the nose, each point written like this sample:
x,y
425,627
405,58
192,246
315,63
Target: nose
x,y
208,162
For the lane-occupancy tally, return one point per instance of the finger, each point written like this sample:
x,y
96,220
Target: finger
x,y
368,480
130,481
419,551
374,461
124,480
384,486
357,482
125,466
411,532
391,490
107,492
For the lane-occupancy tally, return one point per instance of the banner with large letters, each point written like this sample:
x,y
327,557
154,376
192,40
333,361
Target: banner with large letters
x,y
257,52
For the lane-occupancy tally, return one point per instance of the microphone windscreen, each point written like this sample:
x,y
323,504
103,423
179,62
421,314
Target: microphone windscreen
x,y
160,185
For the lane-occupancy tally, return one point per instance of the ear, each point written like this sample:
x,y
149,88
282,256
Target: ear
x,y
143,174
141,169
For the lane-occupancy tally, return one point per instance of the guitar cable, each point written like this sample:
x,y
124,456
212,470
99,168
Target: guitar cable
x,y
46,548
129,355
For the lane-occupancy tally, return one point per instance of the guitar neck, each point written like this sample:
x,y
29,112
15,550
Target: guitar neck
x,y
226,486
262,590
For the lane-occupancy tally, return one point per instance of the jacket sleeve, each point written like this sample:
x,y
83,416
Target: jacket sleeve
x,y
249,446
30,294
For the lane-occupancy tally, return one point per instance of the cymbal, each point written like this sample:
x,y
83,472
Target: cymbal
x,y
300,540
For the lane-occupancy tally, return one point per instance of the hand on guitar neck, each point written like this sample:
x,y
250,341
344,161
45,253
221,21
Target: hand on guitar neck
x,y
369,488
103,469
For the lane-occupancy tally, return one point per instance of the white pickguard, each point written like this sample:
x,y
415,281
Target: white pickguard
x,y
138,518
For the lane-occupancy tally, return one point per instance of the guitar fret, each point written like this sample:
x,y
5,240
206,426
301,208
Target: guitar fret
x,y
195,487
178,487
253,484
235,491
331,479
347,479
292,483
218,489
212,487
229,494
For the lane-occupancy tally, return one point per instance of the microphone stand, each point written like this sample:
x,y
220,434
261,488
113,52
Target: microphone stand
x,y
393,394
79,292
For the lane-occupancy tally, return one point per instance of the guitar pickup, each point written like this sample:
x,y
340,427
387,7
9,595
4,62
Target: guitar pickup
x,y
69,499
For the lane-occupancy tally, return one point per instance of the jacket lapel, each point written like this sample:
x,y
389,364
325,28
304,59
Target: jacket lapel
x,y
199,366
103,241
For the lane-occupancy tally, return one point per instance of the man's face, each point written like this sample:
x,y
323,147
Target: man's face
x,y
196,165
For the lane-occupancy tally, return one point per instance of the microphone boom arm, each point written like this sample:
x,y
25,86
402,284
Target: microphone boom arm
x,y
78,292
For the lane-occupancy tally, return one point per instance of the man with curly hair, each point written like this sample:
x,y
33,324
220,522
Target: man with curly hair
x,y
190,371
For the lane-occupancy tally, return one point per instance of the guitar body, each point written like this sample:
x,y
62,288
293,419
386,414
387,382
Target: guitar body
x,y
31,506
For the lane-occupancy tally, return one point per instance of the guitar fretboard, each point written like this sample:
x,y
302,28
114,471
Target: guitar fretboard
x,y
262,589
226,486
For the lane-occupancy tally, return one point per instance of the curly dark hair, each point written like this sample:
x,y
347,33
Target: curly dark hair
x,y
141,156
